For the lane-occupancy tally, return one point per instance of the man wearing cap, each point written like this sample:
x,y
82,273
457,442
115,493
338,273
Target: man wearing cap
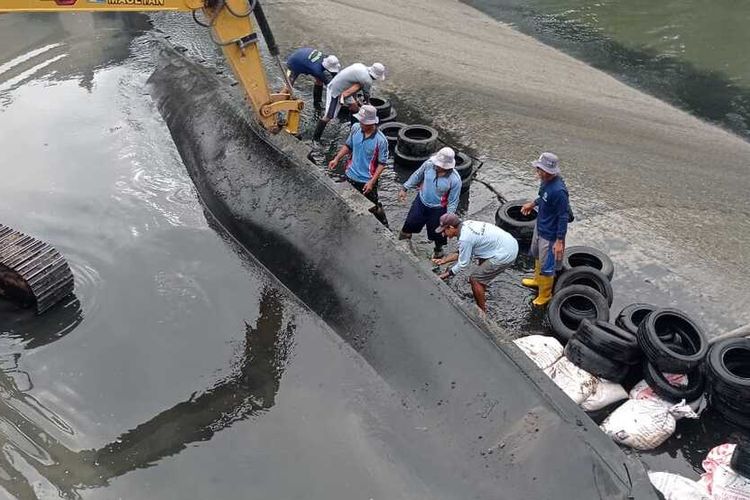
x,y
343,90
312,62
548,242
440,188
367,149
494,248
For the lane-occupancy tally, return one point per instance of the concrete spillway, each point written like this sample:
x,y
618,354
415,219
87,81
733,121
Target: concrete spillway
x,y
478,420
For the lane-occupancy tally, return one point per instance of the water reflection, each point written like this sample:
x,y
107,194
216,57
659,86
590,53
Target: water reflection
x,y
250,390
24,326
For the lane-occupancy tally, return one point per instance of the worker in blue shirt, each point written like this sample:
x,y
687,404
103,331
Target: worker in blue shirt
x,y
313,62
439,190
367,149
548,242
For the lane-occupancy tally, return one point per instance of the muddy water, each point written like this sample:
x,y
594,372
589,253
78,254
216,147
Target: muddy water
x,y
181,368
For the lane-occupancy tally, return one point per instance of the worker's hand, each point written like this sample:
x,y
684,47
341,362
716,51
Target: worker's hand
x,y
438,262
445,275
332,164
402,195
368,187
558,249
527,208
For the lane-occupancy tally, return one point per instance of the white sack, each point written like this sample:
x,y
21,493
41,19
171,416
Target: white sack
x,y
542,350
576,383
644,424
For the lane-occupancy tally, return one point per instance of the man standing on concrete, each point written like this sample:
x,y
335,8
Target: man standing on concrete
x,y
495,249
438,194
312,62
343,90
367,149
548,243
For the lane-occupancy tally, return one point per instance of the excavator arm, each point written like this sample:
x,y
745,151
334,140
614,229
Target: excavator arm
x,y
231,27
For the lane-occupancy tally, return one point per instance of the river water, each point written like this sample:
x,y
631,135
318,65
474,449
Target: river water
x,y
181,368
692,53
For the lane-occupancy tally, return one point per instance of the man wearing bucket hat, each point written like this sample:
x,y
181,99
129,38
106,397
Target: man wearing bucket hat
x,y
495,250
343,90
548,242
312,62
367,149
440,188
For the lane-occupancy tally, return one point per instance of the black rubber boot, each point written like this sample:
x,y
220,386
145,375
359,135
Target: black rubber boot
x,y
437,253
318,96
319,130
404,236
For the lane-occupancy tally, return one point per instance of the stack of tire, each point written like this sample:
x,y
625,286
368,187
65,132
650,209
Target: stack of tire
x,y
510,218
603,350
415,145
672,343
728,372
582,291
386,112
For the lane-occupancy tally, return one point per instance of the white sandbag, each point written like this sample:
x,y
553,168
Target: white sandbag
x,y
644,424
643,391
720,480
605,393
576,383
675,487
542,350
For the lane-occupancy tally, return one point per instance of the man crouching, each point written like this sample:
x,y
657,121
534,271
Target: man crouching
x,y
495,249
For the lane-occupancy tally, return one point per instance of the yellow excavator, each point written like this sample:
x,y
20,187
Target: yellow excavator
x,y
231,27
32,273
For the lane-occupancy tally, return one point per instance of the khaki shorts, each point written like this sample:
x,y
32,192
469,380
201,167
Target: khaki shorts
x,y
541,250
488,271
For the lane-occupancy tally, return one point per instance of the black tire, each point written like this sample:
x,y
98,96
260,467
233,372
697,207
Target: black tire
x,y
631,317
674,394
589,257
728,370
741,460
510,218
591,361
418,141
587,276
731,415
610,341
565,327
407,162
383,106
464,165
390,131
390,118
665,357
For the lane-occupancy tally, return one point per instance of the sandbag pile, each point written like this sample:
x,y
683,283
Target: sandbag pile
x,y
726,477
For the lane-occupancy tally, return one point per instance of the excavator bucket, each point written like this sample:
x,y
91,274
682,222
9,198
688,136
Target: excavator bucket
x,y
32,272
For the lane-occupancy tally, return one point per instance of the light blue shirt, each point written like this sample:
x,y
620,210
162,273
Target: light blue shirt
x,y
366,153
483,240
436,191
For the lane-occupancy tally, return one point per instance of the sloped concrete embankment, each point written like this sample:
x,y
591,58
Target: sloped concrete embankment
x,y
493,425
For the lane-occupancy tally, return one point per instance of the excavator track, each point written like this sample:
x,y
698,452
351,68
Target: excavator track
x,y
32,272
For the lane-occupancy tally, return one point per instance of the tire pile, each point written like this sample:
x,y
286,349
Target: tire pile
x,y
412,145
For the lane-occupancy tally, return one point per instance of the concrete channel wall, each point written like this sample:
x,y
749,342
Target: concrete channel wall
x,y
493,425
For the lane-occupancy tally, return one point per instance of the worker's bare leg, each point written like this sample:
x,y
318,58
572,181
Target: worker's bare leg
x,y
479,290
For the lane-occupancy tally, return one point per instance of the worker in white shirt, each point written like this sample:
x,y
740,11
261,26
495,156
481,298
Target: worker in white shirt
x,y
495,249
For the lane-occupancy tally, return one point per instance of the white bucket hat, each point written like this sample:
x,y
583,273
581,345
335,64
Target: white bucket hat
x,y
332,64
445,159
367,115
377,71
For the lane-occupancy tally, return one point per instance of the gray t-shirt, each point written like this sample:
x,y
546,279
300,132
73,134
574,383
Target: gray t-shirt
x,y
356,73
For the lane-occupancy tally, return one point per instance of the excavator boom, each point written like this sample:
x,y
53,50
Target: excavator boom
x,y
231,27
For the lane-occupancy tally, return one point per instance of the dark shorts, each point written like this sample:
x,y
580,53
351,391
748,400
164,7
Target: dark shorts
x,y
419,216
